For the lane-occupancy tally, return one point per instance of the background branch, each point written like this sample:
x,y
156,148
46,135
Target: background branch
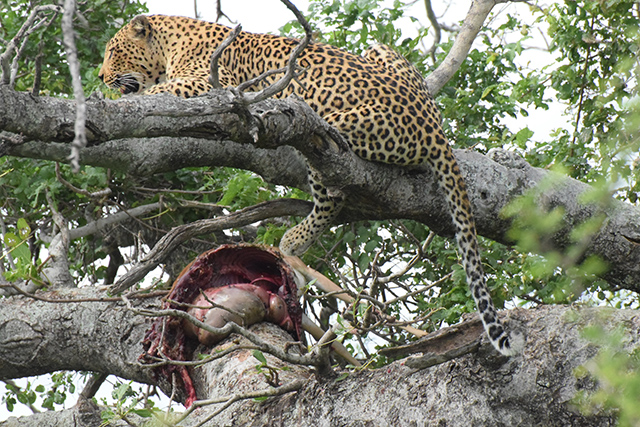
x,y
68,36
473,22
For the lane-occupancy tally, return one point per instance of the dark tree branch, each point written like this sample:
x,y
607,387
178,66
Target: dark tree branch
x,y
171,133
435,25
214,80
532,389
290,71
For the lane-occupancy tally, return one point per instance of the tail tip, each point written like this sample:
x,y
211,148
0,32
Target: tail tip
x,y
513,345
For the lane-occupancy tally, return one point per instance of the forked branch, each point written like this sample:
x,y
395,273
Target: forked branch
x,y
29,26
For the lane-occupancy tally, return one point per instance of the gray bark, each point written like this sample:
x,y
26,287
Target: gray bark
x,y
152,134
481,388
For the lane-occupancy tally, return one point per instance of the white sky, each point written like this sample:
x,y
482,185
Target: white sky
x,y
256,16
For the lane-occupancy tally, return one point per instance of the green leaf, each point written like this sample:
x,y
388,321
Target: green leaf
x,y
258,355
144,413
121,391
342,376
11,240
23,229
523,136
486,92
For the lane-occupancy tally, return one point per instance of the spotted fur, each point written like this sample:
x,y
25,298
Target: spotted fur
x,y
378,102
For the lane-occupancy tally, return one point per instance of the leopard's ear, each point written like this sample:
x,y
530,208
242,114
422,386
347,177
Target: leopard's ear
x,y
140,28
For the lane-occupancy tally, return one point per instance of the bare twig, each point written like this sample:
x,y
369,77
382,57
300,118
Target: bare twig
x,y
326,285
420,290
318,334
68,35
419,253
163,361
95,195
211,304
436,29
214,79
229,400
309,359
181,234
39,297
27,28
280,85
100,224
220,13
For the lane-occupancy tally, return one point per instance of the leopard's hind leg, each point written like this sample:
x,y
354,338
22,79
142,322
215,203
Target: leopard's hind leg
x,y
326,207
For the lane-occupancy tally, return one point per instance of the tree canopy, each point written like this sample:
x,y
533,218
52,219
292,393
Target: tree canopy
x,y
557,212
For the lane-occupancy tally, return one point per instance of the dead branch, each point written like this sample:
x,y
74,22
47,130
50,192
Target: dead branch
x,y
214,79
181,234
68,37
27,28
280,85
435,25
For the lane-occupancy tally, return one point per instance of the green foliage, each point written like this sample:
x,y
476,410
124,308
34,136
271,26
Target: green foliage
x,y
127,400
352,24
597,80
616,372
270,373
14,394
597,43
63,384
102,19
482,93
52,396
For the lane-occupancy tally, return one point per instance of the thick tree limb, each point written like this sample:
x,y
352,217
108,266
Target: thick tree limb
x,y
532,389
472,25
146,135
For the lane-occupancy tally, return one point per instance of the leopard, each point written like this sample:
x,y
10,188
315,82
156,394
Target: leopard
x,y
378,101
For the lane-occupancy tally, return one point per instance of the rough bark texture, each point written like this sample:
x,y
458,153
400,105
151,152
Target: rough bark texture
x,y
479,389
152,134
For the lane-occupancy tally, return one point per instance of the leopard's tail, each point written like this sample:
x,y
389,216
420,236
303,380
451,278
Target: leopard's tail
x,y
451,181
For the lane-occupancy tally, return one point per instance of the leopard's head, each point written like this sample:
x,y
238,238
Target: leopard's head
x,y
133,61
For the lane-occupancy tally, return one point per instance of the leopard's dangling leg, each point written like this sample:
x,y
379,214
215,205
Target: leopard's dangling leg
x,y
298,239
